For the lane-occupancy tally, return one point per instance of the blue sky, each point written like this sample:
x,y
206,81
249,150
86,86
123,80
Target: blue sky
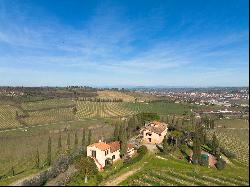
x,y
124,43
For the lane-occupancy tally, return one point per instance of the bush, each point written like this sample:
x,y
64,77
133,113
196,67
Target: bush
x,y
58,166
99,178
203,161
220,164
39,180
141,152
227,153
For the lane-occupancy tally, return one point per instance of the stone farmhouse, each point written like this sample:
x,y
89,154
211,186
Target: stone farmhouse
x,y
153,132
101,152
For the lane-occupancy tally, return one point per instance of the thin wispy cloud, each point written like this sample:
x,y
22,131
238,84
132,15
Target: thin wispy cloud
x,y
110,42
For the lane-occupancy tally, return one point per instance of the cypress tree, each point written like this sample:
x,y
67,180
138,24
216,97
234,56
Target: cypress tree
x,y
215,145
37,165
12,171
49,152
196,149
165,145
68,140
123,142
116,132
76,139
89,137
83,138
59,142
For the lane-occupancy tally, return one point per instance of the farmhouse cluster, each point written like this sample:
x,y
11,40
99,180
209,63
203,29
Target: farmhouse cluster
x,y
102,152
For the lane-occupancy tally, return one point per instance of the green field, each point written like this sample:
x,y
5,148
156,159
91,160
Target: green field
x,y
18,148
169,172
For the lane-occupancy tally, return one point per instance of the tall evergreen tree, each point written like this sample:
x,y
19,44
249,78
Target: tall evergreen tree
x,y
197,144
83,138
59,146
116,132
196,149
49,152
165,145
215,146
123,142
68,140
76,139
37,165
89,137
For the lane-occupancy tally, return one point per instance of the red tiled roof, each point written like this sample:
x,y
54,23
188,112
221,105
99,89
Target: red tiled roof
x,y
114,146
101,145
159,128
130,146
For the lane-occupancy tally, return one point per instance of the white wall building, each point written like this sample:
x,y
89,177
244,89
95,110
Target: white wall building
x,y
154,132
103,151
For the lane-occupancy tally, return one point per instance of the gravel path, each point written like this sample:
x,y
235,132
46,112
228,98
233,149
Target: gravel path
x,y
119,179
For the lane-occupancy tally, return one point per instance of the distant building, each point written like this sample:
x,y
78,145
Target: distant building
x,y
101,152
154,132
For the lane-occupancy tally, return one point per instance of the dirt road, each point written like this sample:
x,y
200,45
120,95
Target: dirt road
x,y
119,179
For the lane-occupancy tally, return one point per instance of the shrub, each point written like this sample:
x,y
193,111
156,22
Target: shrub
x,y
203,160
99,178
220,164
227,153
141,152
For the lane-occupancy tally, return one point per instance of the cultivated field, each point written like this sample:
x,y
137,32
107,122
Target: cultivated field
x,y
18,148
87,109
50,103
169,172
8,116
236,140
107,94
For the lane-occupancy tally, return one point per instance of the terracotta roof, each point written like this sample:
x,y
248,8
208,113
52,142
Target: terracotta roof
x,y
156,127
114,146
130,146
101,145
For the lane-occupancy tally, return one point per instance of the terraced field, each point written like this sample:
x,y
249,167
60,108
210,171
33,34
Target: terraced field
x,y
8,116
236,140
178,173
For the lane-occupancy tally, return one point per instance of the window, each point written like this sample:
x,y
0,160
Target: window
x,y
113,157
106,152
148,134
149,139
94,154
